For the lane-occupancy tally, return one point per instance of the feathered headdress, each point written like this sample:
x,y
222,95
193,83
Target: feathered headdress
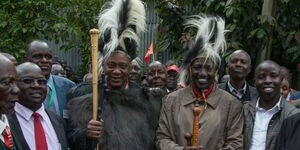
x,y
120,24
210,41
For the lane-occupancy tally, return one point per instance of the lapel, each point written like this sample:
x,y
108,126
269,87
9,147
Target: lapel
x,y
58,90
17,133
58,127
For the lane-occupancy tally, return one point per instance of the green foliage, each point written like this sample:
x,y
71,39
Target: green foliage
x,y
249,29
67,22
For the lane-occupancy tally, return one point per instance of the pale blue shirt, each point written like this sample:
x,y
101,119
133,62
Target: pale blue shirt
x,y
262,119
26,120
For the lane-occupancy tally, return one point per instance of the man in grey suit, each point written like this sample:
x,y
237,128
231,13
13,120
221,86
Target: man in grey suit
x,y
35,127
239,66
38,52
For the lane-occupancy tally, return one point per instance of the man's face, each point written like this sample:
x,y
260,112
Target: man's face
x,y
284,88
267,81
172,79
157,76
238,66
135,72
42,57
33,87
203,73
116,69
8,88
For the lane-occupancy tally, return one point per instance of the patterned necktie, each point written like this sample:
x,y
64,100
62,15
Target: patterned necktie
x,y
39,134
7,138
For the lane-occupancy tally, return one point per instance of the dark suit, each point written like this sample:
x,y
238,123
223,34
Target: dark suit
x,y
62,86
57,123
249,94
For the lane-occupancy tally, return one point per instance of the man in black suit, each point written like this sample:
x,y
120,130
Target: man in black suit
x,y
8,96
35,127
239,66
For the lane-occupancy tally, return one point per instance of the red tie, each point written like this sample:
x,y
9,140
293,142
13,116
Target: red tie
x,y
7,138
39,134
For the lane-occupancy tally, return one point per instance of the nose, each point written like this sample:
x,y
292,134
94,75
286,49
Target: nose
x,y
116,71
202,72
268,79
15,90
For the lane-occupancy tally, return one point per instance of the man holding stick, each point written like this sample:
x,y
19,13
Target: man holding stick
x,y
128,115
220,122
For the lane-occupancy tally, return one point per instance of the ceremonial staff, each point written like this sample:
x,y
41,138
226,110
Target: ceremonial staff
x,y
94,48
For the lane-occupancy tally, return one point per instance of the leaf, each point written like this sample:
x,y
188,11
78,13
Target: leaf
x,y
260,33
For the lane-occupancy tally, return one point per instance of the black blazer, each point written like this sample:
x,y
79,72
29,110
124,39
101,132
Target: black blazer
x,y
249,95
57,123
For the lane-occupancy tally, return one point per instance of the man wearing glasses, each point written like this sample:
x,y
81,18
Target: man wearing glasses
x,y
38,52
35,127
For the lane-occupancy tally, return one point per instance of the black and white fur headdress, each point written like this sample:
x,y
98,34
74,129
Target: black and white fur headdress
x,y
120,24
209,42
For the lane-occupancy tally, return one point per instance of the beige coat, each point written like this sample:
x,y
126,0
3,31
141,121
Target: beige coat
x,y
221,125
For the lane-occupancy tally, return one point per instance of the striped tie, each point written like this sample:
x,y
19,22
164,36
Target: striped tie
x,y
7,138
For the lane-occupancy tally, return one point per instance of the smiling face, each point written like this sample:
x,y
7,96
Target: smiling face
x,y
203,73
267,80
135,72
157,75
116,69
239,65
8,88
32,84
40,54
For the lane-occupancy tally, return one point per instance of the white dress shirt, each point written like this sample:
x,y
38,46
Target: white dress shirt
x,y
238,93
262,119
26,121
3,124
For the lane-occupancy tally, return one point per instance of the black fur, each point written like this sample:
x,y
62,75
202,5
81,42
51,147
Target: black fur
x,y
130,118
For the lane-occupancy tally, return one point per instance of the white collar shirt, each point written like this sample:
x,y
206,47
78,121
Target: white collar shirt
x,y
238,93
26,121
3,125
261,123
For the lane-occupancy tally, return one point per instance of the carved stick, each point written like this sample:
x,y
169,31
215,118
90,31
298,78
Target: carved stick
x,y
94,33
197,111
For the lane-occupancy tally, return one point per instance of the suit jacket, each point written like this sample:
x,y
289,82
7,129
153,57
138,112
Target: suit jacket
x,y
249,95
62,86
57,123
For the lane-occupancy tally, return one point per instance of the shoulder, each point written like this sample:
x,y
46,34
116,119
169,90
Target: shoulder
x,y
63,80
290,109
54,116
222,85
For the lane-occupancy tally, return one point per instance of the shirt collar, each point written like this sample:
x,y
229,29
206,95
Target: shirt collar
x,y
212,99
27,113
274,108
3,123
231,88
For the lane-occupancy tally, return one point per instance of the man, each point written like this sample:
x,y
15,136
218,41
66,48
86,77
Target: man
x,y
239,66
35,127
8,96
128,114
173,74
289,93
135,71
58,70
288,138
157,75
264,116
221,117
38,52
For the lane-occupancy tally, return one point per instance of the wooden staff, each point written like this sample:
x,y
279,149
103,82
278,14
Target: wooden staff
x,y
94,33
197,111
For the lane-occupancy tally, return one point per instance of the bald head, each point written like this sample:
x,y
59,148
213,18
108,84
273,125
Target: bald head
x,y
4,60
37,44
156,63
28,67
241,52
268,64
11,58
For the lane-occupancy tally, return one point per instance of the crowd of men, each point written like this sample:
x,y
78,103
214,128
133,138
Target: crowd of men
x,y
167,108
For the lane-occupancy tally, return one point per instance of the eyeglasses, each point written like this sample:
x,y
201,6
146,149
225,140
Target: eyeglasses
x,y
31,81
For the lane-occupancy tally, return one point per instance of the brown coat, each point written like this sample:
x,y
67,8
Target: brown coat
x,y
221,125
